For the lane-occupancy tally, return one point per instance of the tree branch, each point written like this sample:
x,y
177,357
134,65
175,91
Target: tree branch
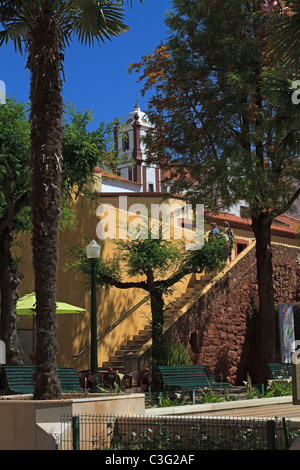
x,y
12,211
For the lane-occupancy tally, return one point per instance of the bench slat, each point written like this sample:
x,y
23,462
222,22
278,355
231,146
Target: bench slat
x,y
19,379
280,369
190,377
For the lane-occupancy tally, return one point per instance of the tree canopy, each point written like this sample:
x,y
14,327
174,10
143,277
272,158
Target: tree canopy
x,y
160,264
82,150
216,128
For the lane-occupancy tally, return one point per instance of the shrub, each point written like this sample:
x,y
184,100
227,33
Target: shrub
x,y
177,355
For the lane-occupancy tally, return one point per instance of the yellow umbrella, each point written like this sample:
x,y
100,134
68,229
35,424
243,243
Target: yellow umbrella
x,y
26,307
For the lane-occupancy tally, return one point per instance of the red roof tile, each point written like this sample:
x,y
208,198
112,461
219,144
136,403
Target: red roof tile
x,y
108,175
287,226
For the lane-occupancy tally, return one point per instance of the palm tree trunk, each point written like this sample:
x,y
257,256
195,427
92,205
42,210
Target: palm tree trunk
x,y
266,353
44,62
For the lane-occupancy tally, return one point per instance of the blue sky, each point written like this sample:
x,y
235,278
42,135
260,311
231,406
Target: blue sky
x,y
97,78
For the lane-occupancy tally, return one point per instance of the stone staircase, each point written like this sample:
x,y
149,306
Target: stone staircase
x,y
116,362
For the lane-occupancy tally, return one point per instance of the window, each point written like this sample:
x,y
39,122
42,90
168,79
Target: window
x,y
151,188
125,142
240,247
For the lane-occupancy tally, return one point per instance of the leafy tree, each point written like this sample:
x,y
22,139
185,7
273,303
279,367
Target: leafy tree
x,y
215,129
14,197
281,84
162,263
82,151
45,27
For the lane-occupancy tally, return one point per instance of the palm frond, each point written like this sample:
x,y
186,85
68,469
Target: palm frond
x,y
15,32
278,89
285,39
91,20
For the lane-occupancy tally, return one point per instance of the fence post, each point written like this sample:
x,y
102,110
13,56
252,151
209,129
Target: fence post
x,y
271,435
76,432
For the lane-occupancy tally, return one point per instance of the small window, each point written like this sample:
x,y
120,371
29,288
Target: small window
x,y
240,247
125,142
151,188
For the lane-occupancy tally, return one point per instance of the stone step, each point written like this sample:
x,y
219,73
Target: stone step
x,y
114,365
120,353
193,290
116,362
148,327
145,332
127,347
141,337
133,342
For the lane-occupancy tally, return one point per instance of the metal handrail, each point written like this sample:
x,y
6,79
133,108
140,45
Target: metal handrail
x,y
111,327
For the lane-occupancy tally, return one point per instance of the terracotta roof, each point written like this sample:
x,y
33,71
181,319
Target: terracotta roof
x,y
112,176
283,225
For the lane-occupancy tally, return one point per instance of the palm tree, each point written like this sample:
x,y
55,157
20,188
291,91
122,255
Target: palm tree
x,y
43,28
284,39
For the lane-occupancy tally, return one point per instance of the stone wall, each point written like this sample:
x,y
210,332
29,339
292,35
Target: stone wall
x,y
220,329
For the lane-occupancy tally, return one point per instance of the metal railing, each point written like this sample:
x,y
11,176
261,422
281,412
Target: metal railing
x,y
144,432
141,302
116,323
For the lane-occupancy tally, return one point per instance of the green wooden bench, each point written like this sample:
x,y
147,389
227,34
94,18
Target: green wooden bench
x,y
280,370
19,379
191,378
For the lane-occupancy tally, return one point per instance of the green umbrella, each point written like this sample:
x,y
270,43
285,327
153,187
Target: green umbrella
x,y
26,307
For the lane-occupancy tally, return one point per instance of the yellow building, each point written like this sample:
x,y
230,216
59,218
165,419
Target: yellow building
x,y
113,304
74,329
140,185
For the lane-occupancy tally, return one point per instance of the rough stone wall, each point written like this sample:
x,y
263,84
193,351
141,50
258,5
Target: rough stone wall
x,y
220,329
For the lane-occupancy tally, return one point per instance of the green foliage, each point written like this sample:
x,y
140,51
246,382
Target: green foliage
x,y
83,150
210,108
164,402
176,355
159,255
251,392
115,390
280,388
14,159
201,435
212,255
87,20
78,262
161,263
284,40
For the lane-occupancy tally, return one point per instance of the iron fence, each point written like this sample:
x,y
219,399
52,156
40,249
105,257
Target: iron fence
x,y
113,432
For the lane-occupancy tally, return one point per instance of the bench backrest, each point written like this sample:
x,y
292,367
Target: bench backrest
x,y
186,377
280,369
69,379
19,379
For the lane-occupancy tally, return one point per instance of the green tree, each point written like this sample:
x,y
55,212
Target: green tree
x,y
210,114
14,197
281,82
161,263
82,151
45,27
